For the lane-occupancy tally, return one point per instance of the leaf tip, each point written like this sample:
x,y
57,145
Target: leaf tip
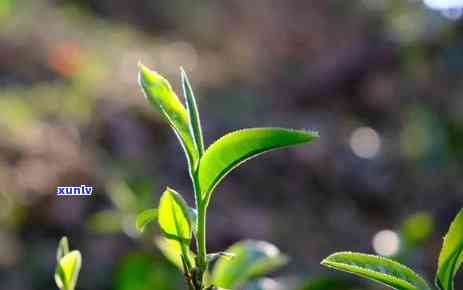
x,y
143,71
312,134
182,70
327,260
150,77
64,241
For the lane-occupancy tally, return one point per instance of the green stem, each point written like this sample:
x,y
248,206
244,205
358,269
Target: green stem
x,y
201,224
202,238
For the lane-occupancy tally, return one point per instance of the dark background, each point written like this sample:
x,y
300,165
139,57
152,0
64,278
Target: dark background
x,y
380,80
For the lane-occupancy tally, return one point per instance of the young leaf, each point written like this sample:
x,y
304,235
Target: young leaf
x,y
146,217
379,269
451,255
174,216
251,259
195,123
63,248
160,94
67,270
172,250
234,148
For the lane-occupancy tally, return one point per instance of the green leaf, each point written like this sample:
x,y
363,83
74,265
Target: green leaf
x,y
234,148
451,255
67,270
251,259
146,217
379,269
159,93
172,250
174,216
63,248
193,113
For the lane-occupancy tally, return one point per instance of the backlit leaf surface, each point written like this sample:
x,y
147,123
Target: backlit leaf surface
x,y
160,94
234,148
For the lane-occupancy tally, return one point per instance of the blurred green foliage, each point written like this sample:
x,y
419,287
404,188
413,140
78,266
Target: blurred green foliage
x,y
140,271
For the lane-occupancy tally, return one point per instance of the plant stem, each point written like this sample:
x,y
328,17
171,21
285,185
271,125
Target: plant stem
x,y
201,238
201,234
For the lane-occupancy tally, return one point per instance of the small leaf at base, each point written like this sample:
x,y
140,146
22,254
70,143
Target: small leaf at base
x,y
174,216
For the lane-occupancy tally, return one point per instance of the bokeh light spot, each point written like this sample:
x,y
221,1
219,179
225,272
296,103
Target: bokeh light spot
x,y
451,9
365,142
444,4
386,243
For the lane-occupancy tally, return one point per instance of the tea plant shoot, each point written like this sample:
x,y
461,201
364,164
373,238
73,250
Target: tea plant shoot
x,y
181,224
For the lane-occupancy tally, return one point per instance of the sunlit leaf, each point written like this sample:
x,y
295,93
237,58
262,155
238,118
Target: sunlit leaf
x,y
451,255
234,148
146,217
63,248
376,268
173,216
195,123
67,270
160,94
251,259
171,249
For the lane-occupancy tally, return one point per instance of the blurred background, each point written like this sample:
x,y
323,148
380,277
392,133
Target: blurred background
x,y
380,80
